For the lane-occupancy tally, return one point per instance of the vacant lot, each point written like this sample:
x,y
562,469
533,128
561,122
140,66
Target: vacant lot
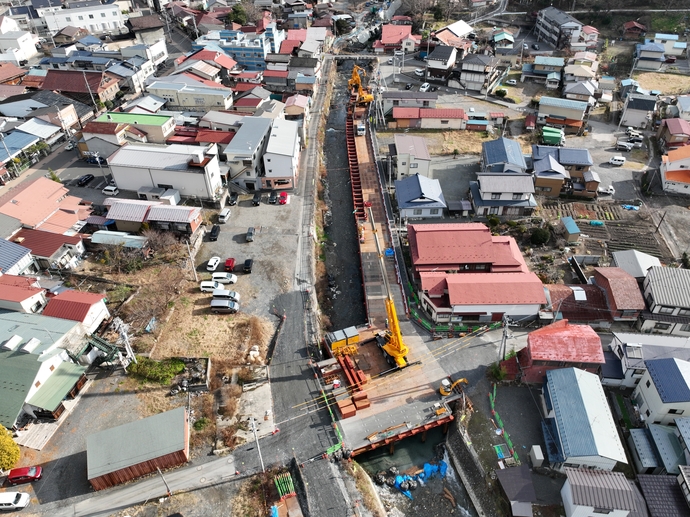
x,y
667,83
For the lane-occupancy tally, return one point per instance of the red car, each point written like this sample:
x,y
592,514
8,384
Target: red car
x,y
283,198
230,265
24,475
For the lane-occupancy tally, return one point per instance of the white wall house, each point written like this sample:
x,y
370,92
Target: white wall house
x,y
594,492
663,393
21,299
190,169
20,45
281,159
412,156
96,19
667,293
244,153
675,171
185,97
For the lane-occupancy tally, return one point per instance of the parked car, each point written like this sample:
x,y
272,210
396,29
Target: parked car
x,y
69,146
273,197
419,72
250,234
606,191
390,60
511,82
224,306
229,264
408,86
95,160
424,87
636,139
232,200
624,146
224,278
85,180
224,215
525,46
110,190
618,161
212,263
24,475
256,200
11,501
215,232
535,46
224,294
283,198
248,265
208,286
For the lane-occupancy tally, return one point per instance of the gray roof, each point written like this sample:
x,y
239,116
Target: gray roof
x,y
173,214
303,62
564,155
506,182
668,447
249,136
441,53
634,262
663,495
480,59
479,202
669,286
503,151
409,95
580,88
517,483
419,192
683,426
562,103
559,16
640,102
10,254
640,347
8,226
124,211
549,166
671,377
644,448
600,489
147,439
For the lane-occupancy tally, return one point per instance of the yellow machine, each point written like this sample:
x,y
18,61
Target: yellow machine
x,y
447,387
363,97
394,346
343,342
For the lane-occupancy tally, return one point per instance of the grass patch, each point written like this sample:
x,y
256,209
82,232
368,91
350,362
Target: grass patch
x,y
624,411
162,372
668,83
365,487
666,22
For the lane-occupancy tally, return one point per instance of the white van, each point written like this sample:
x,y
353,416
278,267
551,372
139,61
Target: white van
x,y
224,278
110,190
224,215
224,294
618,161
209,286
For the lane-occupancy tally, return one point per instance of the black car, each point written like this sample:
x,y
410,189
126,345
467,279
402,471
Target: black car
x,y
273,197
215,231
248,265
85,179
233,198
535,46
95,160
256,200
408,86
433,89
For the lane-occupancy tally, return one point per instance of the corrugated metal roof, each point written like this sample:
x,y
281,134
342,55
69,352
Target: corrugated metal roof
x,y
17,375
634,262
39,128
15,143
562,341
412,145
663,495
72,305
173,214
249,136
418,191
44,244
115,238
549,61
562,103
600,489
668,446
53,390
683,426
147,439
124,211
671,377
506,182
669,286
10,254
623,288
584,420
644,448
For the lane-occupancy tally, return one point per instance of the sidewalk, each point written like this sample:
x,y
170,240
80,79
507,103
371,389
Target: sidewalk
x,y
41,168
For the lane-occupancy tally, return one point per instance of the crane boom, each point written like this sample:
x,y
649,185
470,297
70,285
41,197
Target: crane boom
x,y
363,97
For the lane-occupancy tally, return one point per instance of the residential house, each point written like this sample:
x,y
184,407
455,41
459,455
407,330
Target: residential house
x,y
479,72
441,61
89,309
607,84
192,170
183,220
589,37
249,50
419,197
26,19
644,451
297,108
559,345
622,293
633,30
37,375
132,73
649,56
281,157
564,168
10,73
550,177
128,215
21,294
411,156
47,105
96,18
503,194
589,492
15,259
667,293
564,114
455,34
429,118
671,43
147,29
156,128
545,70
586,59
663,393
639,110
502,38
46,132
581,303
581,91
408,99
17,46
575,73
674,133
502,155
221,121
244,153
664,495
51,250
518,488
89,87
557,28
186,96
215,59
675,171
634,262
398,37
579,429
145,104
103,138
683,105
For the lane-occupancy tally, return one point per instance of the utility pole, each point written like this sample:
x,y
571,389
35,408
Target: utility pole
x,y
167,487
659,225
258,448
88,86
191,260
504,339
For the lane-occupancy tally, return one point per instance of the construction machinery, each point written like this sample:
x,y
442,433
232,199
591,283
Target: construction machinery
x,y
363,96
448,386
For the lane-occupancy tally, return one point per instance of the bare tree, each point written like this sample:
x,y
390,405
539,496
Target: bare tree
x,y
161,241
416,7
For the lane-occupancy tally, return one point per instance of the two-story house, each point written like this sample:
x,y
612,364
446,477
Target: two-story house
x,y
556,27
667,293
157,128
502,155
179,95
51,250
479,72
89,87
673,133
623,295
564,169
281,159
671,43
564,114
639,110
593,492
574,73
675,171
411,156
545,69
581,91
502,38
21,294
397,37
96,18
408,99
649,56
503,194
419,197
663,393
441,61
244,153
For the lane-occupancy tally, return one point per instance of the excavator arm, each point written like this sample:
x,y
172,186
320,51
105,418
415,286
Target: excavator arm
x,y
394,346
447,388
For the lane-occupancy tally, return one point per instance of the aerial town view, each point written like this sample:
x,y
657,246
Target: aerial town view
x,y
329,259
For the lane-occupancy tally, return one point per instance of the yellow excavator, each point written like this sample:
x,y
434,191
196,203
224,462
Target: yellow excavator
x,y
394,346
363,96
447,386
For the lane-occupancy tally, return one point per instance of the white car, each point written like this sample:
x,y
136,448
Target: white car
x,y
10,501
69,146
209,286
390,60
212,263
511,82
424,87
419,72
224,278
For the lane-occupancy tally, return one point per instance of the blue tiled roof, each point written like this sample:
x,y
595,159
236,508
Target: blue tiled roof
x,y
503,150
668,379
11,253
659,35
409,192
16,142
570,225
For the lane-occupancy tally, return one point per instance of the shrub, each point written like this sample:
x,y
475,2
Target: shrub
x,y
200,424
9,450
501,93
540,236
156,371
512,224
497,372
493,221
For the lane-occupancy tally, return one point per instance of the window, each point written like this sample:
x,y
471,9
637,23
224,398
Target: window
x,y
396,103
648,384
665,310
414,165
403,163
417,211
639,372
662,326
675,411
685,328
115,14
684,312
68,18
102,15
433,211
517,196
493,210
495,196
579,168
480,266
604,511
91,17
425,104
543,189
80,17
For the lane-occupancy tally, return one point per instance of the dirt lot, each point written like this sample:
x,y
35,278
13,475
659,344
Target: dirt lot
x,y
670,84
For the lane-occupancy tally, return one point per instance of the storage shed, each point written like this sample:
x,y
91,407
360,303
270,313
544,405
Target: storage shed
x,y
129,451
572,232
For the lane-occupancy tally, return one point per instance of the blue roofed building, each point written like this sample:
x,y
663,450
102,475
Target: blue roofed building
x,y
663,393
563,114
648,56
248,49
545,69
572,232
645,457
564,169
419,197
502,155
579,429
671,43
15,259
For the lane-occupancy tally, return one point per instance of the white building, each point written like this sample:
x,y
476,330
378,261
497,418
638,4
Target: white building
x,y
594,492
281,159
189,169
411,156
663,393
18,46
675,171
667,293
185,97
244,152
96,19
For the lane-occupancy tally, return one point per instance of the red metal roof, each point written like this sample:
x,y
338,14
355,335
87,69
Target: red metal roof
x,y
248,102
405,112
622,286
634,25
72,305
43,244
491,288
442,113
287,46
203,81
104,128
298,34
531,120
562,341
276,73
9,71
394,34
18,281
179,139
17,294
245,87
75,81
215,137
217,57
677,126
593,308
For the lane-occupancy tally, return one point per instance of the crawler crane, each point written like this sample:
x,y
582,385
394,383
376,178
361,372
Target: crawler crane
x,y
363,96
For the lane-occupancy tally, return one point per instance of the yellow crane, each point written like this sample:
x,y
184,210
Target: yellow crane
x,y
363,97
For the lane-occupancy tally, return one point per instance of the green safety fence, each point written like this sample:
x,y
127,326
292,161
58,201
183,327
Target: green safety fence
x,y
284,485
501,426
